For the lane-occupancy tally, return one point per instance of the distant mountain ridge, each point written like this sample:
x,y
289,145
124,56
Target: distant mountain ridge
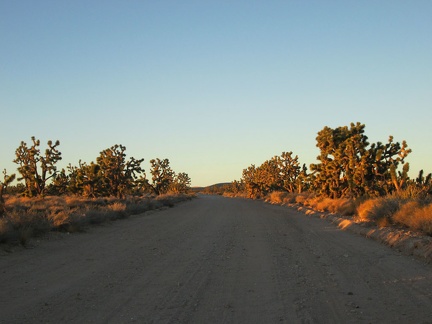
x,y
211,188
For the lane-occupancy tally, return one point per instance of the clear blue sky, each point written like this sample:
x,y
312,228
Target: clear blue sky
x,y
213,85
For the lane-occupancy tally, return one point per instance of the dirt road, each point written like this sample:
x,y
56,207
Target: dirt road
x,y
214,260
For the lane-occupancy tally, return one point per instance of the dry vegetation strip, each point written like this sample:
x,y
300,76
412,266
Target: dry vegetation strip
x,y
405,224
28,217
412,214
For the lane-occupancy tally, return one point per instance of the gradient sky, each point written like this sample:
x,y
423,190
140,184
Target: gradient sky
x,y
213,85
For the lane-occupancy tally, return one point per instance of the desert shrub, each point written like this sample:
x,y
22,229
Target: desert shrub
x,y
96,216
138,207
378,210
11,200
169,200
281,197
27,217
302,198
344,206
40,205
166,200
313,201
277,197
67,220
324,204
18,203
117,210
24,225
117,206
59,218
240,194
415,215
76,223
290,198
74,202
347,207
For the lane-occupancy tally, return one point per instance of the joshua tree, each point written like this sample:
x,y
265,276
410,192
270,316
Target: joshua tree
x,y
7,180
85,180
36,169
348,168
424,183
250,180
289,171
118,174
181,183
162,176
279,173
383,161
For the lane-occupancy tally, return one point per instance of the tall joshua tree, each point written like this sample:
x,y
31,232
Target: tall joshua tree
x,y
162,175
37,169
349,167
118,174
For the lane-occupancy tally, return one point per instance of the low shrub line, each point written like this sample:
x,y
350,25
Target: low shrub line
x,y
29,217
401,223
393,211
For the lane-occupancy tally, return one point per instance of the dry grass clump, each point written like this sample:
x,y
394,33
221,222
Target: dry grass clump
x,y
169,200
28,217
343,206
240,194
324,204
138,207
402,208
378,210
117,206
302,198
281,197
21,226
75,202
347,207
415,215
276,197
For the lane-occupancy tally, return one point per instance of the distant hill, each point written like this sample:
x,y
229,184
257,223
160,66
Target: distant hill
x,y
215,188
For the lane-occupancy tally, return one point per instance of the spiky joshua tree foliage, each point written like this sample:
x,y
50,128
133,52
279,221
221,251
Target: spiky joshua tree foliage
x,y
349,168
37,169
118,174
280,173
181,183
85,180
162,175
7,180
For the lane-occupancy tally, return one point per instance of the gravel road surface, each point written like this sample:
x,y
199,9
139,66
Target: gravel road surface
x,y
214,260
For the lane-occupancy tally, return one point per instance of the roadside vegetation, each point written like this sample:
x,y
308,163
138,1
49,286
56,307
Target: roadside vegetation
x,y
363,181
31,217
113,187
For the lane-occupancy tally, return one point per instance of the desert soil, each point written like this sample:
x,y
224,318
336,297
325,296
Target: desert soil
x,y
214,260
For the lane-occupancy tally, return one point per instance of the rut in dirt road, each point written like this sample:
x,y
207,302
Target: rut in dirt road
x,y
214,260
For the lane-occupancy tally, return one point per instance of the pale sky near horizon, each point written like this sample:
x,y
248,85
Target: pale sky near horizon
x,y
214,86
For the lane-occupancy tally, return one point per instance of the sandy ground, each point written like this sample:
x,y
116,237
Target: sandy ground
x,y
214,260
